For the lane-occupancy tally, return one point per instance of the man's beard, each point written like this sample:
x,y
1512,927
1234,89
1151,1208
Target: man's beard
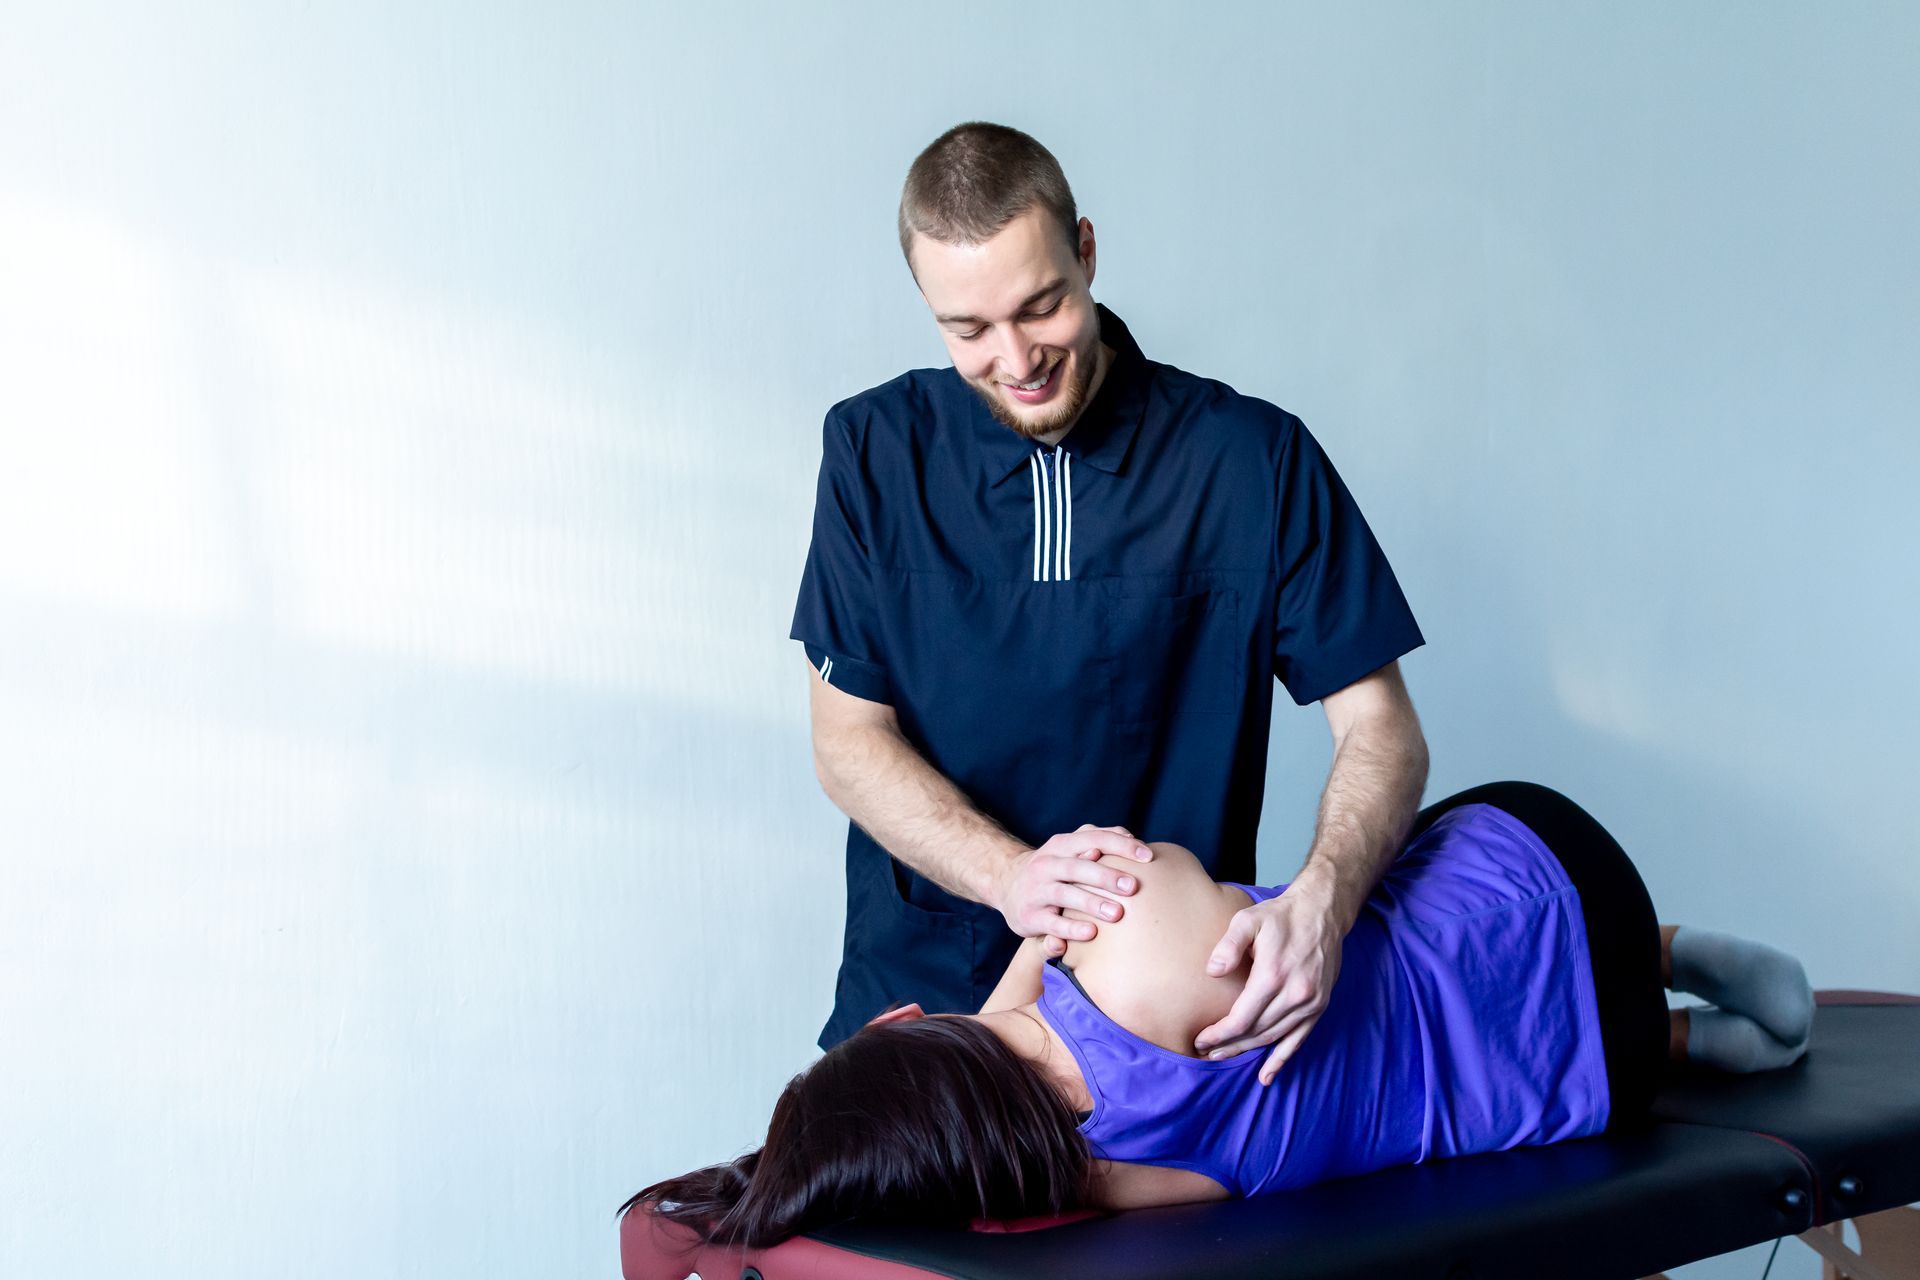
x,y
1071,402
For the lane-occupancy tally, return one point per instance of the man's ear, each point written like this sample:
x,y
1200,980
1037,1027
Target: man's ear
x,y
898,1015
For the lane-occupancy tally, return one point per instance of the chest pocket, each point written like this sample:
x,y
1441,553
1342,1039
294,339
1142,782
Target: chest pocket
x,y
1173,655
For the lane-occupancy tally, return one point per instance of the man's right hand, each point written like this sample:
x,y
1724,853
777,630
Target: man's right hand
x,y
1035,888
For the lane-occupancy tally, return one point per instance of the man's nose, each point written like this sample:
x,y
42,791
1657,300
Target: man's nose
x,y
1018,354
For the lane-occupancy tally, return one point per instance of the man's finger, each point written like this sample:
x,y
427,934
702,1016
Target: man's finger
x,y
1275,1022
1228,1037
1232,945
1089,902
1063,870
1099,840
1113,881
1056,925
1285,1049
1255,998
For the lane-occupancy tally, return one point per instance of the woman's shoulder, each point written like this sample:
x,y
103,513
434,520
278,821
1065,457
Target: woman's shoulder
x,y
1174,878
1147,970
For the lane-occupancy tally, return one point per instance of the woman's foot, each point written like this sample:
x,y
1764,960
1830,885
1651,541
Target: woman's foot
x,y
1733,1042
1759,982
1763,1012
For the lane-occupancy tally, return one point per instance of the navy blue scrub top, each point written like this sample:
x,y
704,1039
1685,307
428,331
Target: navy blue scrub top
x,y
1087,633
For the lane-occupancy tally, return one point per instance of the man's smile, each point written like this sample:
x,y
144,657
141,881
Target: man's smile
x,y
1037,394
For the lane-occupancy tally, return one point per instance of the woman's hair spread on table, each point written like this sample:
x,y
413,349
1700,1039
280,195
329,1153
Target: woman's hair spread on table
x,y
931,1121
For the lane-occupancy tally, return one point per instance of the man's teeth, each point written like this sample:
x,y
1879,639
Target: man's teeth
x,y
1036,384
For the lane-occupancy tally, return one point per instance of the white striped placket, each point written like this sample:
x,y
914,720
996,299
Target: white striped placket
x,y
1052,476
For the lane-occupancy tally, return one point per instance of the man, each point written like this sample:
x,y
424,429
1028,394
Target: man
x,y
1048,594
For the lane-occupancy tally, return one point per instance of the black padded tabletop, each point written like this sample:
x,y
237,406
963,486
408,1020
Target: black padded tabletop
x,y
1598,1207
1850,1106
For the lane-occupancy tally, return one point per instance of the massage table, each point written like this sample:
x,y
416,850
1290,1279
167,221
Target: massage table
x,y
1727,1161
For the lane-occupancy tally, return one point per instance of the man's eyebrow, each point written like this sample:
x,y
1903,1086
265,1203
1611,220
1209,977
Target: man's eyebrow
x,y
1031,298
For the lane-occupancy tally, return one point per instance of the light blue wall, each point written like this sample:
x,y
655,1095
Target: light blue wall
x,y
407,437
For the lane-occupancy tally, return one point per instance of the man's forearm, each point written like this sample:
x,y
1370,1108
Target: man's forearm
x,y
914,811
1372,797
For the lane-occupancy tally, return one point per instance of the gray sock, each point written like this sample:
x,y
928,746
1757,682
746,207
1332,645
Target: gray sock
x,y
1733,1043
1761,982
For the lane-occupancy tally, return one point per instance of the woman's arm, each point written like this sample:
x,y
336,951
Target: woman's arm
x,y
1117,1185
1020,984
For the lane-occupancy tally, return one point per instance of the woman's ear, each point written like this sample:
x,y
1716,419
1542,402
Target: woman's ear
x,y
901,1014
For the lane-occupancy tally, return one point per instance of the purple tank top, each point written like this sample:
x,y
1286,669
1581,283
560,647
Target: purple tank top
x,y
1463,1020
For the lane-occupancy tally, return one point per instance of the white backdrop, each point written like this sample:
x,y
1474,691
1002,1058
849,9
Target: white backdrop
x,y
408,421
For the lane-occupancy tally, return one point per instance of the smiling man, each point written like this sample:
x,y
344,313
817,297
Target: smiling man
x,y
1049,593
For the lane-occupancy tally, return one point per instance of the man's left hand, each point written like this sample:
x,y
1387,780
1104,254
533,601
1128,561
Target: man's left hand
x,y
1295,939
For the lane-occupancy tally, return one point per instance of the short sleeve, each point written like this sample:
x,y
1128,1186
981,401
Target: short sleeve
x,y
1339,611
836,619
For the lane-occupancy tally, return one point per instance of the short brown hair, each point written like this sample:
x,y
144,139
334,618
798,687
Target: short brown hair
x,y
977,177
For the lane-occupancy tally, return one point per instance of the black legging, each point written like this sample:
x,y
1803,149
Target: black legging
x,y
1623,935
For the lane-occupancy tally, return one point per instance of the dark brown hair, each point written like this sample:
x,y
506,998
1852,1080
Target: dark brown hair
x,y
977,177
929,1121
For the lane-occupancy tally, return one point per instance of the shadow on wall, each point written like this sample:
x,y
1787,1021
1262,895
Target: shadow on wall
x,y
403,723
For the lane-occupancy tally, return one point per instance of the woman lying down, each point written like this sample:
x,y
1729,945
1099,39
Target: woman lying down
x,y
1501,988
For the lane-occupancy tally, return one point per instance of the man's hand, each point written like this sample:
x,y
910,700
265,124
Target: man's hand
x,y
1296,940
1034,889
